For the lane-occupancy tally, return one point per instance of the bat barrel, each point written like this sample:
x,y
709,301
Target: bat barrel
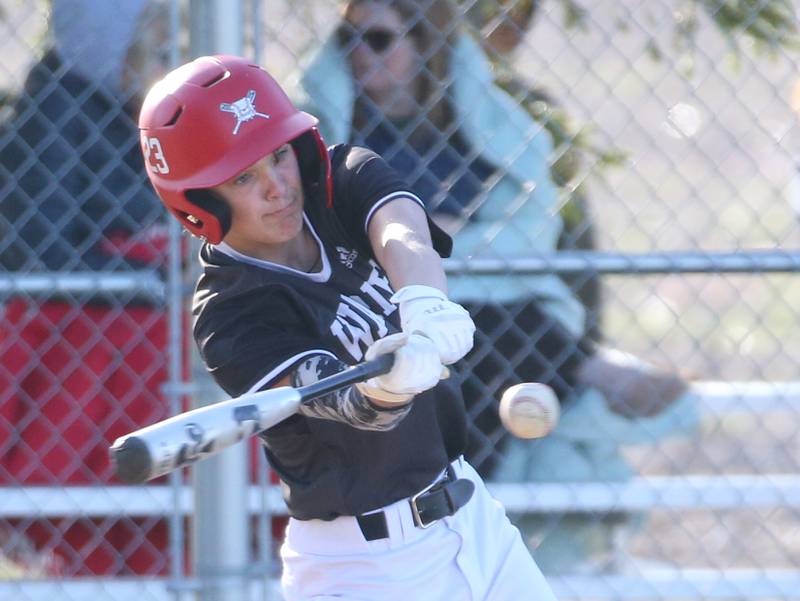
x,y
188,437
176,442
131,460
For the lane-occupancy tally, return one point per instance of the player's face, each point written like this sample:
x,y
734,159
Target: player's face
x,y
384,60
266,202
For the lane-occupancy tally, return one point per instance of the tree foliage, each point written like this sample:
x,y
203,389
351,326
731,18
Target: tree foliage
x,y
770,25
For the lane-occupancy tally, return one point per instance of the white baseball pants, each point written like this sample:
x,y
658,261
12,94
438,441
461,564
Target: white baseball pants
x,y
475,555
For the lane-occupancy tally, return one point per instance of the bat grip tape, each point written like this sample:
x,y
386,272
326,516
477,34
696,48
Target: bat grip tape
x,y
358,373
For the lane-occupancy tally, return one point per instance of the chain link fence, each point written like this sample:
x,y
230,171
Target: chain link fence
x,y
86,347
620,180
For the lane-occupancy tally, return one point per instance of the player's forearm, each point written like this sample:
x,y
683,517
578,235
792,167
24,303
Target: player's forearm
x,y
408,261
401,242
347,405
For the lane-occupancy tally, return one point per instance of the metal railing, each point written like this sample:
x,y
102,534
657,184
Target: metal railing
x,y
716,398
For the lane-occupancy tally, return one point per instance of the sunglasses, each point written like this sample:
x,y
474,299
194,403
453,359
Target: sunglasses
x,y
377,38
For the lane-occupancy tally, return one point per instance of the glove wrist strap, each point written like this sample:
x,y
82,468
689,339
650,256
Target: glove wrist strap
x,y
378,393
415,291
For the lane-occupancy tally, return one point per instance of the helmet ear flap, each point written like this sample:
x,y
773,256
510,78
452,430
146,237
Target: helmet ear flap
x,y
213,204
312,160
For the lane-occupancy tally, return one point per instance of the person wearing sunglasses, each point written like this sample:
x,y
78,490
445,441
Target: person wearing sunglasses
x,y
378,39
402,78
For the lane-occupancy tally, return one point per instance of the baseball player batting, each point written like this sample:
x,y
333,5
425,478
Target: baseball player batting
x,y
316,259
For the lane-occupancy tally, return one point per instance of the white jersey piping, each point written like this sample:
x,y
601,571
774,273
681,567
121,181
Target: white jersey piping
x,y
318,276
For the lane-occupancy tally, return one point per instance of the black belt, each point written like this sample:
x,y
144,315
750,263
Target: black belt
x,y
441,499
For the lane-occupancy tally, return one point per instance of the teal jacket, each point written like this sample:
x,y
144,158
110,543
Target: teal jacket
x,y
520,214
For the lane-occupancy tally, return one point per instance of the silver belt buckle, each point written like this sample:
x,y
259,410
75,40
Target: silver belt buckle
x,y
418,521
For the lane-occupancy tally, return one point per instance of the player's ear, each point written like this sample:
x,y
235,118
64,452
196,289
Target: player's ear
x,y
212,203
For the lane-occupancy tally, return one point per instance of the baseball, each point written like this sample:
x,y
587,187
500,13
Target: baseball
x,y
529,410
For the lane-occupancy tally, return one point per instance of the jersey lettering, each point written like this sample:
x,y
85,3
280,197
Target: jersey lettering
x,y
376,283
354,324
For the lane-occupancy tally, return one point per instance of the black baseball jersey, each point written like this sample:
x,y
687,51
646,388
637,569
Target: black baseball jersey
x,y
256,320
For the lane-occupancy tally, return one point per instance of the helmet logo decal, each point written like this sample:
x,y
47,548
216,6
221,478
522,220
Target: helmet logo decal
x,y
243,109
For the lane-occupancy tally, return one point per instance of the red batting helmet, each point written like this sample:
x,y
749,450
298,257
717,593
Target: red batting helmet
x,y
209,120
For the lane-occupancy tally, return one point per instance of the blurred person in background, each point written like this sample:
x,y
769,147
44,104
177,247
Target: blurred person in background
x,y
77,370
402,78
501,26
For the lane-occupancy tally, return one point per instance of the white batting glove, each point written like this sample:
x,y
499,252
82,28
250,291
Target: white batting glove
x,y
427,311
416,368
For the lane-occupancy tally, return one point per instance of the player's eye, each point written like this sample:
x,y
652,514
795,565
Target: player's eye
x,y
281,153
242,178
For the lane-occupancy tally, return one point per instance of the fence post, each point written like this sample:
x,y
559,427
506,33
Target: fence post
x,y
220,536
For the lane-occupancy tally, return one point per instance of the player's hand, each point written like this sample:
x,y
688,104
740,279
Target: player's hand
x,y
416,368
426,310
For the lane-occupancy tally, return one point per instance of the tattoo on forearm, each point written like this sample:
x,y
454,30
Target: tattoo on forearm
x,y
346,405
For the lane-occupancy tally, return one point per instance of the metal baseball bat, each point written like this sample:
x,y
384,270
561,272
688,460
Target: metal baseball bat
x,y
188,437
